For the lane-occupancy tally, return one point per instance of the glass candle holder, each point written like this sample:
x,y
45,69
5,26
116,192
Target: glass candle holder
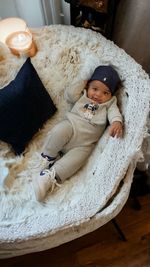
x,y
21,43
15,34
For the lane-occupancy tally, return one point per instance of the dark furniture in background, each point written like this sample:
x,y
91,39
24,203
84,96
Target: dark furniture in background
x,y
97,15
131,30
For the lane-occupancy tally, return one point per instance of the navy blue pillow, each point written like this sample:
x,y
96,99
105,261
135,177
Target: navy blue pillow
x,y
24,106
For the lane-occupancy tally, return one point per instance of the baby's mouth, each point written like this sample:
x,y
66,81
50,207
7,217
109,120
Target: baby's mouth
x,y
95,100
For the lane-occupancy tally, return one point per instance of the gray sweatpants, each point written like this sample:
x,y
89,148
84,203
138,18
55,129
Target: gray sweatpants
x,y
73,158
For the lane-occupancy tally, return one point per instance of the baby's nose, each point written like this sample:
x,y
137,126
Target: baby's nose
x,y
98,93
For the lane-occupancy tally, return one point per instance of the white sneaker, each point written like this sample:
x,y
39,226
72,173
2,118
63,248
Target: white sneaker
x,y
42,162
44,182
48,158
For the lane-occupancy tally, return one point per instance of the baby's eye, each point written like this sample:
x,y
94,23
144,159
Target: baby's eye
x,y
106,93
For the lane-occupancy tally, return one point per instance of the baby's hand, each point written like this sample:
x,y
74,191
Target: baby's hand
x,y
116,129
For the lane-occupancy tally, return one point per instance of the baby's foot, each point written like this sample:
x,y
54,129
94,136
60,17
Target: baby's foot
x,y
43,182
50,159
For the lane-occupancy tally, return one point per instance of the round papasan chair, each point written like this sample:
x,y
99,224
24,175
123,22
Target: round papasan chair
x,y
98,191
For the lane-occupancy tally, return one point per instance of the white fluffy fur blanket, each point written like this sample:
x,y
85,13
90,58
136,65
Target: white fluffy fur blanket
x,y
66,55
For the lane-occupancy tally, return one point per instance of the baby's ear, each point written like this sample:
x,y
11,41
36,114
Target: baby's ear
x,y
85,84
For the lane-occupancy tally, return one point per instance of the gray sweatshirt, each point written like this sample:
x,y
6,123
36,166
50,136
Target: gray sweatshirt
x,y
89,120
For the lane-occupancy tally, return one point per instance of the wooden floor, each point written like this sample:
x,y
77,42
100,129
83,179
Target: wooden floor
x,y
103,247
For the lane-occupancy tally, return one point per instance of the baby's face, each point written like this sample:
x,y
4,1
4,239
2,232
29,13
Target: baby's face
x,y
98,92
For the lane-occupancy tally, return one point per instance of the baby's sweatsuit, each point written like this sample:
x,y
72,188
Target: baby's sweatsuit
x,y
76,136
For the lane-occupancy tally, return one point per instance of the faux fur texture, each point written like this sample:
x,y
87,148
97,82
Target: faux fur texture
x,y
99,190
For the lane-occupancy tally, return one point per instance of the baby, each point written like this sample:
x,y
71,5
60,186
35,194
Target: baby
x,y
94,104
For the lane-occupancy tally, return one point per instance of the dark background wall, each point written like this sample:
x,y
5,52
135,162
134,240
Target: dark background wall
x,y
131,30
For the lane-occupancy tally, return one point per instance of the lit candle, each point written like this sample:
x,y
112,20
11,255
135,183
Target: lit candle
x,y
20,41
16,35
